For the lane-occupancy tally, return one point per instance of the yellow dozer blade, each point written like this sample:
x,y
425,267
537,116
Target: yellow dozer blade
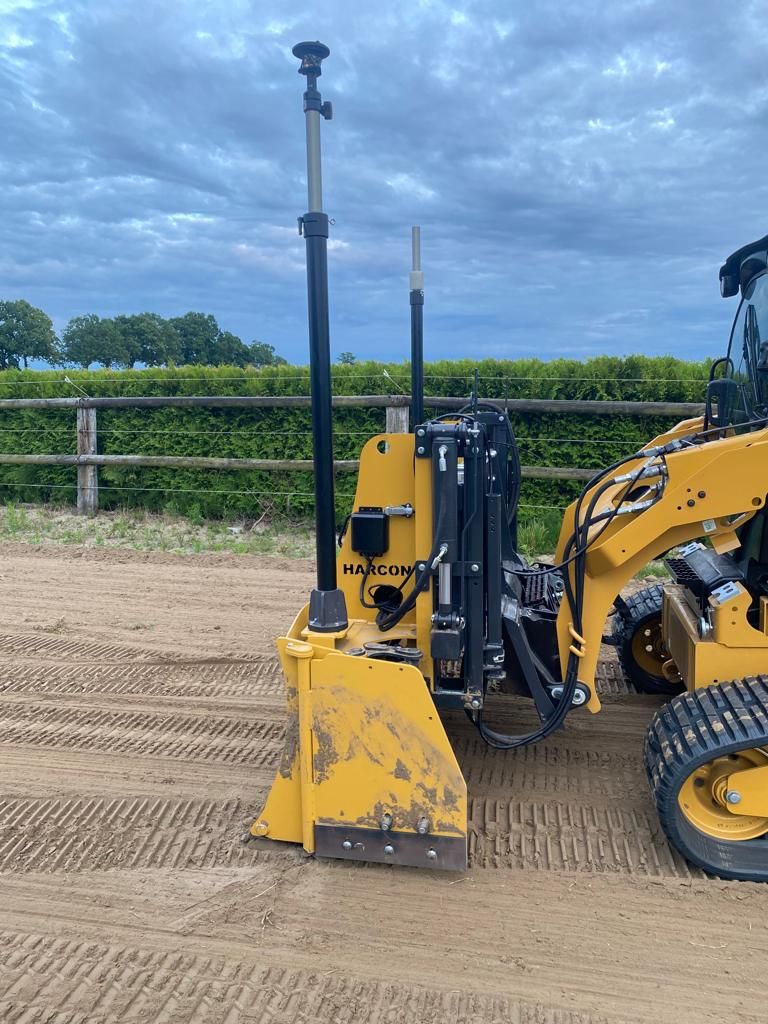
x,y
367,771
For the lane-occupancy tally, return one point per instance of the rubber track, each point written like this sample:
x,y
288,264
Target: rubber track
x,y
50,980
644,602
689,731
184,737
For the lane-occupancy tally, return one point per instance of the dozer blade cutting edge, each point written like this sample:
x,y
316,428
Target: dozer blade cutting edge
x,y
367,771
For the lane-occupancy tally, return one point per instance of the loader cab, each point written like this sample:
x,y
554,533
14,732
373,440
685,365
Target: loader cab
x,y
737,392
748,349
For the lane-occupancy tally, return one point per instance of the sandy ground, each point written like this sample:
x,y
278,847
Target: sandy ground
x,y
141,719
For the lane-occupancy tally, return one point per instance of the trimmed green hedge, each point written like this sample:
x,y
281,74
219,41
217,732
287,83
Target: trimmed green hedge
x,y
547,439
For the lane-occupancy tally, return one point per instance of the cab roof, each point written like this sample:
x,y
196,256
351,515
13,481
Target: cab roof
x,y
742,265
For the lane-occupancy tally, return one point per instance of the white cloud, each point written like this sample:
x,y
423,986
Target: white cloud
x,y
13,41
408,185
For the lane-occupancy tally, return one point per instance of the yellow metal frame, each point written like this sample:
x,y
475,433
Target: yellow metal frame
x,y
391,475
364,742
712,489
734,648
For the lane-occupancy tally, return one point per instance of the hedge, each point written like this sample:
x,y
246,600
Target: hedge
x,y
545,439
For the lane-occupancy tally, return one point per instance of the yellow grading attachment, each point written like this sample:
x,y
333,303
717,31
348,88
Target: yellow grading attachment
x,y
367,771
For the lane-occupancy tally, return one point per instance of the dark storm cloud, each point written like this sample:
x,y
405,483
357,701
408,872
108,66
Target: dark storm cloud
x,y
579,170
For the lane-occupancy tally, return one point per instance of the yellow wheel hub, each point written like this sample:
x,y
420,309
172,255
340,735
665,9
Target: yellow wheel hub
x,y
702,797
648,648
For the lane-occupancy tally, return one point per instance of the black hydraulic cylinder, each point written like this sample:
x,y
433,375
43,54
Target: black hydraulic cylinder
x,y
493,570
473,533
417,331
327,607
445,458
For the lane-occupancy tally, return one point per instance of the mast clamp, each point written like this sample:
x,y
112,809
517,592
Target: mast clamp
x,y
313,101
314,224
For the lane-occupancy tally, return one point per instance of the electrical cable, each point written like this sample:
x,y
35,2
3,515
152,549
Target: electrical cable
x,y
387,606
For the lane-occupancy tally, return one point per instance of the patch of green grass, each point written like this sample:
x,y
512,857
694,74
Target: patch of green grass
x,y
537,533
146,532
654,570
119,528
16,520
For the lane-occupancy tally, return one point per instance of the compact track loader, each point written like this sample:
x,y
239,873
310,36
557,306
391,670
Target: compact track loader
x,y
430,606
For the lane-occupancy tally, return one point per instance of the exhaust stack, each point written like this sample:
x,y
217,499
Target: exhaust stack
x,y
327,607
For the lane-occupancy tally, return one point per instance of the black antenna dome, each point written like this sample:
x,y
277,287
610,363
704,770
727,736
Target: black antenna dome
x,y
311,56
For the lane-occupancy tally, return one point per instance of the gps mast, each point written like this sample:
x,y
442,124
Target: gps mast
x,y
327,606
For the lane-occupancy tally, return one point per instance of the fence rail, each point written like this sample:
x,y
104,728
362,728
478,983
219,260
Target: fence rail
x,y
87,460
561,405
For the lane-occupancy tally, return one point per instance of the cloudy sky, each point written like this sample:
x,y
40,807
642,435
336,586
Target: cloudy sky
x,y
580,170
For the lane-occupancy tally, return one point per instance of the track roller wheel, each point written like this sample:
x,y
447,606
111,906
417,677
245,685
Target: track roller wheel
x,y
693,744
640,645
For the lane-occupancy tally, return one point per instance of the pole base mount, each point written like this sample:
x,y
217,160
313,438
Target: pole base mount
x,y
327,611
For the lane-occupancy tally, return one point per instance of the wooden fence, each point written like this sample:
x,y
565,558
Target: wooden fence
x,y
87,460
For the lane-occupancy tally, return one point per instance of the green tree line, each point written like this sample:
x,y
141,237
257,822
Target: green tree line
x,y
26,333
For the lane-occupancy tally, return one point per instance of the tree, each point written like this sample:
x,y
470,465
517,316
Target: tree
x,y
202,341
347,359
198,333
261,354
89,339
26,332
149,339
228,350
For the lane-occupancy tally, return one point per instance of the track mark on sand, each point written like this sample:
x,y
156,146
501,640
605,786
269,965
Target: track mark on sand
x,y
183,679
50,647
571,837
88,834
65,981
83,834
171,735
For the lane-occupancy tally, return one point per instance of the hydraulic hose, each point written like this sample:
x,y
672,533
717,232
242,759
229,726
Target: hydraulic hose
x,y
579,538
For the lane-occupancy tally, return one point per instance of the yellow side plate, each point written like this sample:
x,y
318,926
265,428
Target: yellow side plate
x,y
380,780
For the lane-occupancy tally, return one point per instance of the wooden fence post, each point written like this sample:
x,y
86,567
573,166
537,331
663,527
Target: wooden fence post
x,y
397,419
87,476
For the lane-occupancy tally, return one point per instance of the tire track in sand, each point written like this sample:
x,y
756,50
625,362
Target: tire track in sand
x,y
170,735
88,834
188,680
64,981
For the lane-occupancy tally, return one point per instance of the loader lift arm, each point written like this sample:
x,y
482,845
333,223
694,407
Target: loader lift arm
x,y
714,486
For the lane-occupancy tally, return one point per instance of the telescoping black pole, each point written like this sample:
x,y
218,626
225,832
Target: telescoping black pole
x,y
327,608
416,283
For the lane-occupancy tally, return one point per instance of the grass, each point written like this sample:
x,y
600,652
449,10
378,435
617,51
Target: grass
x,y
194,535
654,570
143,531
537,535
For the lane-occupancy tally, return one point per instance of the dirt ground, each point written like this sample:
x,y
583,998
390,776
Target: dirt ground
x,y
141,719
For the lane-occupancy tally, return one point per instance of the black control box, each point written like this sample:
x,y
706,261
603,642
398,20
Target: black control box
x,y
370,532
